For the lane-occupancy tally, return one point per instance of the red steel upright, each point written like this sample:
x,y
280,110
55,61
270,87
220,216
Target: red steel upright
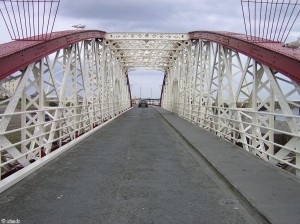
x,y
269,20
29,19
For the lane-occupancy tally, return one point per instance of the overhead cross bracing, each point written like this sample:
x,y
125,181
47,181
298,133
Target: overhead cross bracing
x,y
217,80
157,51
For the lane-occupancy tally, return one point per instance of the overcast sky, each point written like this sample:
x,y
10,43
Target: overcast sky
x,y
149,16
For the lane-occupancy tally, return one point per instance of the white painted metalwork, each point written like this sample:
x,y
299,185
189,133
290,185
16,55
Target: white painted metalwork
x,y
59,98
147,36
238,99
72,92
157,51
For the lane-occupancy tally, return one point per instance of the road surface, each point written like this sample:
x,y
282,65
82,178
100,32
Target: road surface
x,y
136,169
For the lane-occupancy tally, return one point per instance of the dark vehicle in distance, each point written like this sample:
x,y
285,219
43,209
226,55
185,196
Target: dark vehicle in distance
x,y
47,117
143,103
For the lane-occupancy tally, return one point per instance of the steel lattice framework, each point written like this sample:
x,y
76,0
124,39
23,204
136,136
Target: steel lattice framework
x,y
146,50
71,85
59,99
233,96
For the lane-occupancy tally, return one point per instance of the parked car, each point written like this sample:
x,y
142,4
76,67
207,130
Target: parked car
x,y
143,103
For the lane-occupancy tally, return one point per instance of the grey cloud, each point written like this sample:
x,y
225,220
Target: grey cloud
x,y
121,10
160,16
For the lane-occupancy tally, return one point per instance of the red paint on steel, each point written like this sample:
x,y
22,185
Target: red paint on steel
x,y
17,55
129,89
162,89
272,54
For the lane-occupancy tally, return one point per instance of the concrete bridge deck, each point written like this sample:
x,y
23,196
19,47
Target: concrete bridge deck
x,y
139,169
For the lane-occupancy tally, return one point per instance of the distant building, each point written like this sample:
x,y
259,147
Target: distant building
x,y
155,102
11,86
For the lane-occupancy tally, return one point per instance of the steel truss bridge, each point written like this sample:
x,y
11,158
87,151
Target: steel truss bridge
x,y
72,84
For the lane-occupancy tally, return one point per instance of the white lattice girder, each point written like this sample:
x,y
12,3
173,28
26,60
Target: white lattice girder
x,y
86,86
146,36
146,64
145,44
146,53
150,50
219,89
233,96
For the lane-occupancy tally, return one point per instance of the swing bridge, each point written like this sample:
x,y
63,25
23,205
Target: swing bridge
x,y
68,127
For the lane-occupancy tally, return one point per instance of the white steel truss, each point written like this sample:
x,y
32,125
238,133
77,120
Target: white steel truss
x,y
71,92
58,99
155,51
238,99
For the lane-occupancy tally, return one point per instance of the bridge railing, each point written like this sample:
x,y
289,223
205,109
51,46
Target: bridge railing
x,y
67,128
60,99
228,128
239,99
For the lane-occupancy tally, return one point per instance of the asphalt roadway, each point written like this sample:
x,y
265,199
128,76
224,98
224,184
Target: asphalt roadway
x,y
137,169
